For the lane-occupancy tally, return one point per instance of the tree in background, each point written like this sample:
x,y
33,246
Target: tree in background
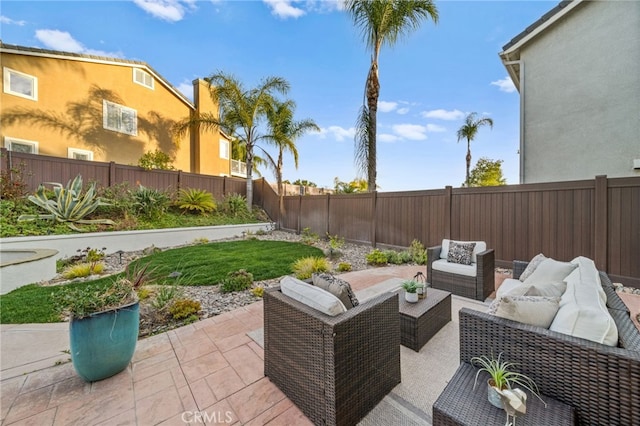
x,y
381,22
468,131
304,182
487,172
156,160
355,186
284,132
241,113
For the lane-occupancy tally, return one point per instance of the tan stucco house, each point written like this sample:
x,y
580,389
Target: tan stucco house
x,y
578,73
102,109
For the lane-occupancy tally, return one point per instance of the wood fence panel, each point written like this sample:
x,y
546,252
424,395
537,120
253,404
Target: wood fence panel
x,y
290,213
156,179
314,214
351,216
623,228
236,186
213,184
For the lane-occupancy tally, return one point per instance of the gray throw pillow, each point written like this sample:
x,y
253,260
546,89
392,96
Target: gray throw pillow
x,y
336,286
460,252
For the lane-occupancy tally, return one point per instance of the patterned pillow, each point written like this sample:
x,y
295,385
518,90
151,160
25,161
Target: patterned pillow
x,y
537,260
460,252
534,310
340,288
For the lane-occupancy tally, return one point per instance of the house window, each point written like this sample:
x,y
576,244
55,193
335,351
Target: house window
x,y
143,78
20,84
79,154
119,118
224,149
21,145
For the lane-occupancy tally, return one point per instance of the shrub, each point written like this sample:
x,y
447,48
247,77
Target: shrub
x,y
92,256
257,291
376,257
156,160
150,202
393,257
12,184
235,205
164,296
144,293
237,281
335,243
184,308
344,266
196,201
418,252
309,237
303,268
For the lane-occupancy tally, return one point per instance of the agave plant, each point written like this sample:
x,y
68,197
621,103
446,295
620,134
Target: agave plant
x,y
196,200
69,205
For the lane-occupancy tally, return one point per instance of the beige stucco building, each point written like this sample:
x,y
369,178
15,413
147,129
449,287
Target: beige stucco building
x,y
102,109
578,73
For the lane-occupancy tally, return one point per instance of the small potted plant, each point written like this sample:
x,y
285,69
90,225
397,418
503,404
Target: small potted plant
x,y
103,324
410,291
502,377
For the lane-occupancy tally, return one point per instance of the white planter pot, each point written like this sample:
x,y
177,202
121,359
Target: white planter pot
x,y
411,297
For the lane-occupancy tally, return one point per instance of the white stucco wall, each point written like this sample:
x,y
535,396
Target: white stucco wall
x,y
582,95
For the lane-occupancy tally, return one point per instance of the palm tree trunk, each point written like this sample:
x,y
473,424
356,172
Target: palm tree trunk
x,y
279,179
373,93
249,177
468,161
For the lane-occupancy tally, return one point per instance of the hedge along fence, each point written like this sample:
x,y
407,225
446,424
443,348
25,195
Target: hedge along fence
x,y
42,168
598,219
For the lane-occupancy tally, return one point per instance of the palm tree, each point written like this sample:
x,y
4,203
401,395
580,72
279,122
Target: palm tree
x,y
241,113
381,22
468,131
284,132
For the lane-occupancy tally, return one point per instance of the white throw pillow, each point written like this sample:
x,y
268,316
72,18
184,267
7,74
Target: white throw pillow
x,y
551,289
531,266
550,270
312,296
533,310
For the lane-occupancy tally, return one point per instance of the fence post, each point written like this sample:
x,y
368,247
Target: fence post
x,y
601,207
299,214
179,185
328,216
374,215
224,186
447,211
112,173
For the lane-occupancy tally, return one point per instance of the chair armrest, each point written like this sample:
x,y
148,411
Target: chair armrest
x,y
433,254
578,372
485,273
518,268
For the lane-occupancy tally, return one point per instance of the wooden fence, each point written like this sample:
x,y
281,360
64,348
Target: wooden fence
x,y
42,168
599,219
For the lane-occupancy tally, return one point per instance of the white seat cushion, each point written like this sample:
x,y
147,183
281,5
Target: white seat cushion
x,y
479,248
312,296
583,313
454,268
507,286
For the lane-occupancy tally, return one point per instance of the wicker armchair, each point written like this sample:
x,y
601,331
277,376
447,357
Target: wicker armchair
x,y
478,287
601,382
335,369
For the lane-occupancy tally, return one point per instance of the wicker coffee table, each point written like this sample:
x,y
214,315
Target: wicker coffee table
x,y
460,404
420,321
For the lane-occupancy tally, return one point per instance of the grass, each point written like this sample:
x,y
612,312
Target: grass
x,y
205,264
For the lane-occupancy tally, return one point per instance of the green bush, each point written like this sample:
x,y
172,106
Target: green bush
x,y
393,257
235,205
196,201
80,270
376,257
237,281
184,308
418,252
305,267
164,296
150,202
309,237
344,266
156,160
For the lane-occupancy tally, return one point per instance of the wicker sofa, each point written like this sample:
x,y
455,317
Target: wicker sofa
x,y
602,382
477,287
334,368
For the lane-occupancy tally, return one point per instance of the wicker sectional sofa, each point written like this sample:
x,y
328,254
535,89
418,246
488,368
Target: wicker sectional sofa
x,y
602,382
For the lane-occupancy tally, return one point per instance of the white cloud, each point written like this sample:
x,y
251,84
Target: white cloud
x,y
384,106
435,128
386,137
414,132
337,132
284,9
443,114
8,21
505,85
62,40
402,111
168,10
186,88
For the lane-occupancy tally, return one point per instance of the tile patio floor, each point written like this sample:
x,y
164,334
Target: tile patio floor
x,y
206,373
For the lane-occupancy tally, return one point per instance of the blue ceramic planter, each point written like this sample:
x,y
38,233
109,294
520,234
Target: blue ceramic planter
x,y
103,343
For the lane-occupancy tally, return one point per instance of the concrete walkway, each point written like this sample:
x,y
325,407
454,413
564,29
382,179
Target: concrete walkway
x,y
209,372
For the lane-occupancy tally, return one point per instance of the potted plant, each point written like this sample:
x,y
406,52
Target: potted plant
x,y
103,324
410,291
502,377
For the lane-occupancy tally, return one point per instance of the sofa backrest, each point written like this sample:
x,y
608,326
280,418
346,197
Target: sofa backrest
x,y
479,248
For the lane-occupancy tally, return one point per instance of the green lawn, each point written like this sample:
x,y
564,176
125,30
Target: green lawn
x,y
205,264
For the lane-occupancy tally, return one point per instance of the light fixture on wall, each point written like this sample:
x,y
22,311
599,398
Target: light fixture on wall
x,y
636,164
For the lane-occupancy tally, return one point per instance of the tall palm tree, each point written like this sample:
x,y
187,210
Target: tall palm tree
x,y
468,131
241,113
284,132
382,22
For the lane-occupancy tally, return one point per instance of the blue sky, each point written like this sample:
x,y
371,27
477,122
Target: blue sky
x,y
429,80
